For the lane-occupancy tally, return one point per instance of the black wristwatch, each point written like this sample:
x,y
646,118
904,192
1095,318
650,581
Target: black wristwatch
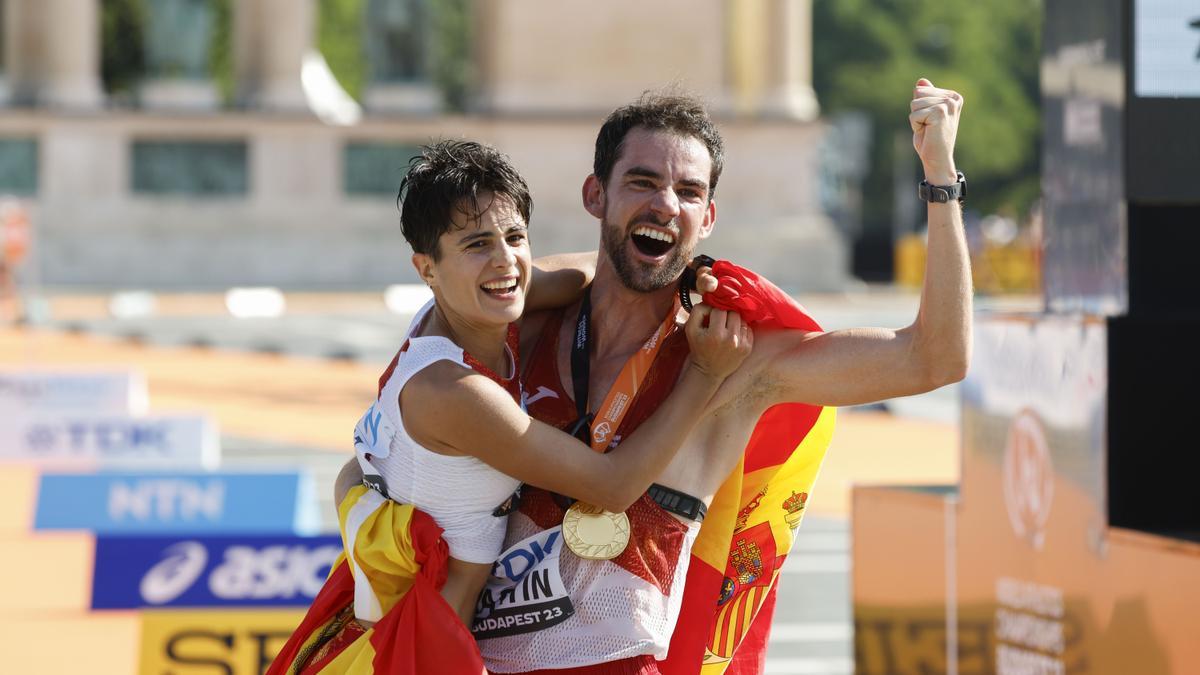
x,y
942,194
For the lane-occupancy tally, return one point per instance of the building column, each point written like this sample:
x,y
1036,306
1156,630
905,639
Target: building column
x,y
271,40
52,53
788,92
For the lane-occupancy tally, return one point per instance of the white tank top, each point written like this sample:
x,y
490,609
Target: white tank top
x,y
461,492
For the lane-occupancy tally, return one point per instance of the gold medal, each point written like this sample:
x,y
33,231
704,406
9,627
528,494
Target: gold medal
x,y
593,533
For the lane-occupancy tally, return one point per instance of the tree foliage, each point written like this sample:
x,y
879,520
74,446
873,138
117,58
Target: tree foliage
x,y
220,50
340,27
867,55
451,58
341,39
123,47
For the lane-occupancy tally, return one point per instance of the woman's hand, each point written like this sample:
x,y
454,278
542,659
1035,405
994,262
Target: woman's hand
x,y
719,340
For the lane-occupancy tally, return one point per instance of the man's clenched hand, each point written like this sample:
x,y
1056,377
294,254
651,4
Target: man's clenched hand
x,y
934,120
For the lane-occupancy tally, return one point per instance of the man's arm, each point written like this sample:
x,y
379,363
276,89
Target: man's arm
x,y
559,280
849,367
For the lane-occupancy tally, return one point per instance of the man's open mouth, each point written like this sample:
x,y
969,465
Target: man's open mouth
x,y
652,242
500,286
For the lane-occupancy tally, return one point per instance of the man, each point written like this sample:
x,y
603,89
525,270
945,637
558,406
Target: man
x,y
656,170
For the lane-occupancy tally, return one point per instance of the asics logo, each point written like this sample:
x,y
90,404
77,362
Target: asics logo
x,y
181,566
245,572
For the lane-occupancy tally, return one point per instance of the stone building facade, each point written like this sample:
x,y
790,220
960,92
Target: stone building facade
x,y
180,191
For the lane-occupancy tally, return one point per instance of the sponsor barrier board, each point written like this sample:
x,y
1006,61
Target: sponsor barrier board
x,y
158,441
24,392
246,571
200,642
281,502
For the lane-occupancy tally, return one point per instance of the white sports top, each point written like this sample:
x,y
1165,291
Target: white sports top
x,y
459,491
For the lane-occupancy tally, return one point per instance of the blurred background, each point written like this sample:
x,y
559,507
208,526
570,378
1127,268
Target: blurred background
x,y
260,141
203,272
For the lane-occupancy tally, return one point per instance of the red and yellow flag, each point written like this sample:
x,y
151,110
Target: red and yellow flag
x,y
394,568
731,583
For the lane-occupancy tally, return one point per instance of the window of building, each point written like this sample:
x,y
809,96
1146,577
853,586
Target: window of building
x,y
396,40
178,36
18,166
213,168
375,169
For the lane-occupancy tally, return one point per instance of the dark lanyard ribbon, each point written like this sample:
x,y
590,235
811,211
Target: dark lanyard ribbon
x,y
581,369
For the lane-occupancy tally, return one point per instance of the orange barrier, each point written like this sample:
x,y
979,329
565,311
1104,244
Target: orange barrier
x,y
1023,573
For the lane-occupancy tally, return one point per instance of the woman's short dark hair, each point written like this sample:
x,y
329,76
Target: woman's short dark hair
x,y
676,112
449,175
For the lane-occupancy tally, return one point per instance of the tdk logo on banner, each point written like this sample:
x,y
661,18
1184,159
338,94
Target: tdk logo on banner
x,y
167,441
178,503
211,572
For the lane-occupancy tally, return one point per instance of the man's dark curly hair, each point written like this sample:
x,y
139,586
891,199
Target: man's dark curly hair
x,y
679,113
449,175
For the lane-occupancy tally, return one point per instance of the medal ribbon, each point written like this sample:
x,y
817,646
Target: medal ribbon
x,y
620,396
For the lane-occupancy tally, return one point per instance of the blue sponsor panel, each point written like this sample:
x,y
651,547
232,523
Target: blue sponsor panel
x,y
178,503
245,571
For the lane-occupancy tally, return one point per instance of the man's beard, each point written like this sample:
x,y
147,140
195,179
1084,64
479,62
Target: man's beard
x,y
634,274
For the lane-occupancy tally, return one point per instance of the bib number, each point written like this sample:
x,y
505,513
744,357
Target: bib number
x,y
525,592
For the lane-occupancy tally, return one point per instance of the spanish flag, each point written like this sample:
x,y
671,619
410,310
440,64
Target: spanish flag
x,y
393,569
729,596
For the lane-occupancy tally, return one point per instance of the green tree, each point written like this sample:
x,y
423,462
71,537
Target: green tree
x,y
867,54
451,57
340,41
123,51
220,51
123,47
340,38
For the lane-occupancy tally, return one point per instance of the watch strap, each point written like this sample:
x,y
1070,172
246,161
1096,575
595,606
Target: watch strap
x,y
942,194
677,502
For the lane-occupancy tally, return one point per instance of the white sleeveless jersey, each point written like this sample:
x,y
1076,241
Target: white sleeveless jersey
x,y
460,492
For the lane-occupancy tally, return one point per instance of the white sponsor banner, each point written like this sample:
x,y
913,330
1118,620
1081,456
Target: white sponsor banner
x,y
152,441
1166,48
25,392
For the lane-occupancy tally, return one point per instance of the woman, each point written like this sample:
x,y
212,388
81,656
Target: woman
x,y
448,435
